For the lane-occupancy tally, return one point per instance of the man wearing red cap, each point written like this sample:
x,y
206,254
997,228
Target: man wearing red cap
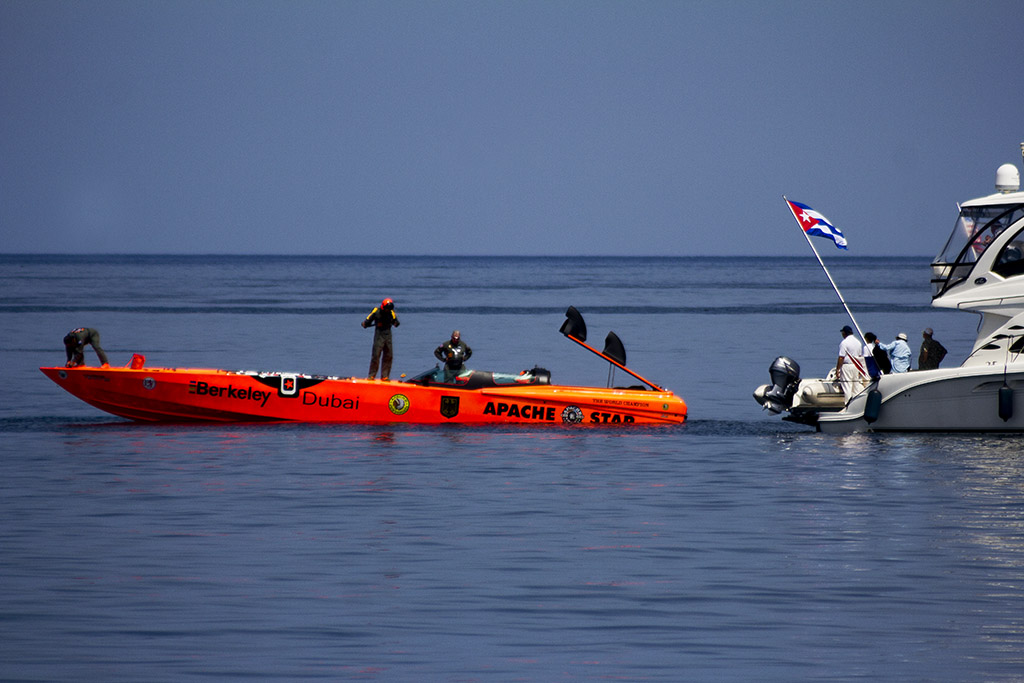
x,y
382,318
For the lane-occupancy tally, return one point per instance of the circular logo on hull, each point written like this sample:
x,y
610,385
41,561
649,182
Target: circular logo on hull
x,y
149,384
398,404
572,415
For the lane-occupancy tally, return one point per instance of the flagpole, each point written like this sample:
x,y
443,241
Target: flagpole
x,y
827,274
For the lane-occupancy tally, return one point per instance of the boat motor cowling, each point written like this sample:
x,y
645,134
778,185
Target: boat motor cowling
x,y
785,375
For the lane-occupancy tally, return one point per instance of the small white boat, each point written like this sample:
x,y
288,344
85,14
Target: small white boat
x,y
981,270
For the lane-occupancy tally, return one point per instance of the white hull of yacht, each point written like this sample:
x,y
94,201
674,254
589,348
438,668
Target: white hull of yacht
x,y
964,399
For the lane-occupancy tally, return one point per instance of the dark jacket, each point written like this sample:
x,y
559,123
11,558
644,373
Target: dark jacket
x,y
381,319
449,354
932,353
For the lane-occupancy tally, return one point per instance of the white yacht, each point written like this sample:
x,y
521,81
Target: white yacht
x,y
981,270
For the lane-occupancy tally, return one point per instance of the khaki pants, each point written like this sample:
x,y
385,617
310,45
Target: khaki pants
x,y
851,380
381,354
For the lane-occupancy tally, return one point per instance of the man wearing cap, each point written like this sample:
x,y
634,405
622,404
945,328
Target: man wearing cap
x,y
932,352
454,353
382,318
850,368
899,353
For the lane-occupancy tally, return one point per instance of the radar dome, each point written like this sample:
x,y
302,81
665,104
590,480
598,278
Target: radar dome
x,y
1007,178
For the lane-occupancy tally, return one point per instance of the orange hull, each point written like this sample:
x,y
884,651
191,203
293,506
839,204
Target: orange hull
x,y
197,394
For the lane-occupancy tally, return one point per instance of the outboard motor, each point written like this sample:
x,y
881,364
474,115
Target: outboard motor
x,y
785,376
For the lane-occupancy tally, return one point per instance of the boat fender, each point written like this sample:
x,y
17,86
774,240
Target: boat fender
x,y
873,406
1005,402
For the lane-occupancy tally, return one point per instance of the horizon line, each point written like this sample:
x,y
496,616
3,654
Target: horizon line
x,y
428,255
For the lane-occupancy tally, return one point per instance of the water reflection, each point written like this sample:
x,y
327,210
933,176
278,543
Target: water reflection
x,y
387,437
944,511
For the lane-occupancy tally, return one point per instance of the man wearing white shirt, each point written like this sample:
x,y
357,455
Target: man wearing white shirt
x,y
850,365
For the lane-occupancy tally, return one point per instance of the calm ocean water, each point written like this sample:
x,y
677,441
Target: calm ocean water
x,y
736,547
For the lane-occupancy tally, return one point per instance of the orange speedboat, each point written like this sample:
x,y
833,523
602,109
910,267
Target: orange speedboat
x,y
433,397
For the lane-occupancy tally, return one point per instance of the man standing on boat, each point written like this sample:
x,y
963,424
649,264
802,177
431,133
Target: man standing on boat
x,y
850,368
899,352
454,353
876,359
382,318
932,352
74,344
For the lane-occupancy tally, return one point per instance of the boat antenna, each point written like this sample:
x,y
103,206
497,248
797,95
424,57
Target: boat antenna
x,y
827,274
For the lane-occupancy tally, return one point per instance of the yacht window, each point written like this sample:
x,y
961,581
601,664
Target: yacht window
x,y
1010,260
976,228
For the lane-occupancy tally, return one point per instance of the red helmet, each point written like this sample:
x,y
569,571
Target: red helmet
x,y
387,303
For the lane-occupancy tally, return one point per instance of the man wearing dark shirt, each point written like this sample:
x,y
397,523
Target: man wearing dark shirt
x,y
74,345
932,352
454,353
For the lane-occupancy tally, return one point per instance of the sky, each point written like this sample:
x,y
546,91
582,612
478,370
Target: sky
x,y
500,127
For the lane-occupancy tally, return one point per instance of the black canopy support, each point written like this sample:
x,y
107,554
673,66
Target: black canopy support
x,y
576,329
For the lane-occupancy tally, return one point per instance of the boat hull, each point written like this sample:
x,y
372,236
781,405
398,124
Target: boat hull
x,y
956,399
212,395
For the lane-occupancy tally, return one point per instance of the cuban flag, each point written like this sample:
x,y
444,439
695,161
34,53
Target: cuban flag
x,y
815,224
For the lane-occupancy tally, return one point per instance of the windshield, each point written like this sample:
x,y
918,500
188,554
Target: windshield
x,y
975,229
437,375
477,379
